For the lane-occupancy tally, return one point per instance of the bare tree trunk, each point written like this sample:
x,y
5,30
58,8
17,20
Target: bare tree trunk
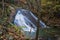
x,y
38,9
39,17
2,6
37,32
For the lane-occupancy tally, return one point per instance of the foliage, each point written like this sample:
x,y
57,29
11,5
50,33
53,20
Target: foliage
x,y
9,31
49,10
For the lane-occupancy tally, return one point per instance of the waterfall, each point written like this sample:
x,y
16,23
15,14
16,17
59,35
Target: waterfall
x,y
29,20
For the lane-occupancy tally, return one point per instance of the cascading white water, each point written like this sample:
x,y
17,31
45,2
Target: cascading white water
x,y
20,20
28,19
